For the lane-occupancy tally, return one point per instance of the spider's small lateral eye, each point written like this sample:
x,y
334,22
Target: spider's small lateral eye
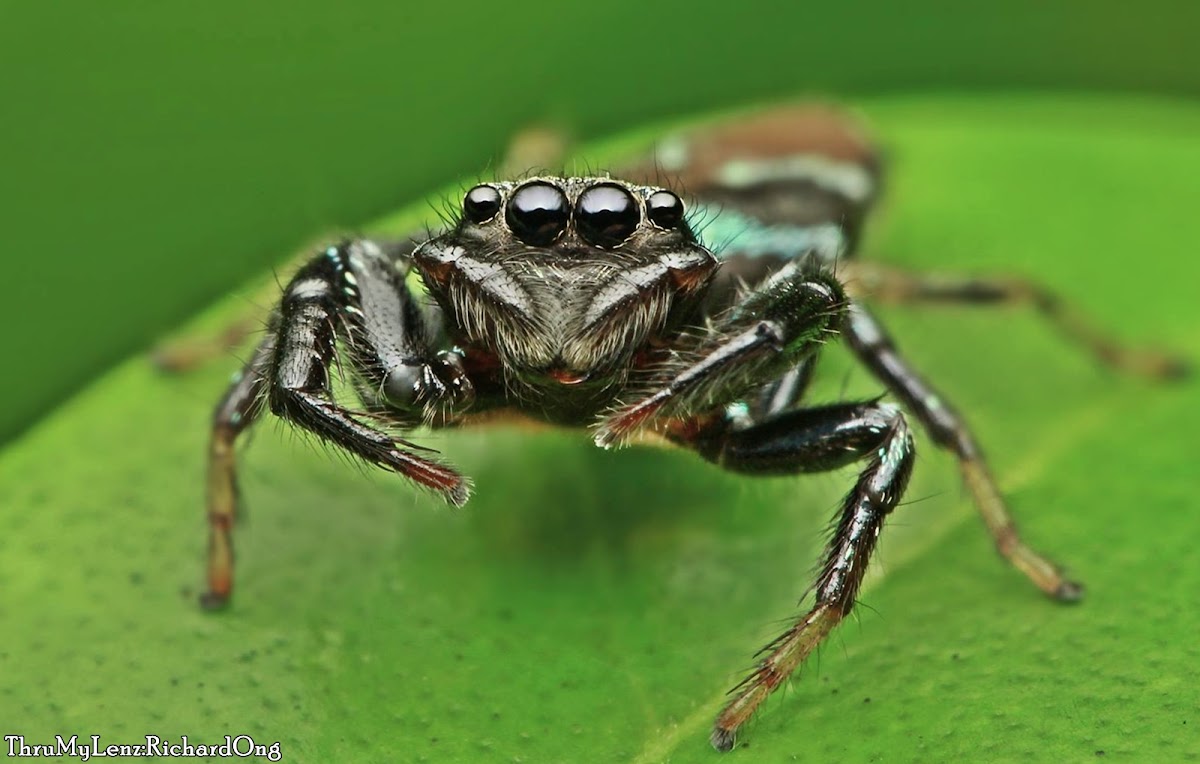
x,y
606,214
537,213
664,209
481,203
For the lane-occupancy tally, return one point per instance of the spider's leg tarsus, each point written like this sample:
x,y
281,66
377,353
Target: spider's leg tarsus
x,y
722,739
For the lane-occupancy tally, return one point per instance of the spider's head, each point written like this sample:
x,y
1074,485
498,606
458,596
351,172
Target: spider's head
x,y
564,280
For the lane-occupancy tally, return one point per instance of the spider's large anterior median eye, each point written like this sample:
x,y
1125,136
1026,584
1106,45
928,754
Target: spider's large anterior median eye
x,y
606,214
481,203
664,209
537,213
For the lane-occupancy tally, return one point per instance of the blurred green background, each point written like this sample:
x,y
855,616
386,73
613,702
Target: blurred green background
x,y
157,154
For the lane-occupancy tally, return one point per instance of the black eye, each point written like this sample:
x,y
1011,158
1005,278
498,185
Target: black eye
x,y
537,213
664,209
606,214
481,203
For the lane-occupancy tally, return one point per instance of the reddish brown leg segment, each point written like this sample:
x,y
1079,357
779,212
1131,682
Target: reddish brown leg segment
x,y
873,497
241,405
877,350
812,440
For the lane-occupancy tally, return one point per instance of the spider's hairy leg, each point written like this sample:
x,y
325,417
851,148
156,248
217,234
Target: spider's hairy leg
x,y
887,284
335,297
769,331
813,440
329,299
239,407
868,339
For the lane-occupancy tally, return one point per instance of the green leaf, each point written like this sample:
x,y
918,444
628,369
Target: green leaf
x,y
593,607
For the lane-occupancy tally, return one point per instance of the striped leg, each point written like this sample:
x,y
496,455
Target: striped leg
x,y
336,296
877,350
767,334
340,296
812,440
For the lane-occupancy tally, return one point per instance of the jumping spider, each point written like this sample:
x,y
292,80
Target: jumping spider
x,y
591,302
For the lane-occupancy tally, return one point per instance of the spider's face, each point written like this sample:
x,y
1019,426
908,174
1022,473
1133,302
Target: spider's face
x,y
565,279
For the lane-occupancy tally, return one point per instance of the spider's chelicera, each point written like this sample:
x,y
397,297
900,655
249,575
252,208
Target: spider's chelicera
x,y
591,302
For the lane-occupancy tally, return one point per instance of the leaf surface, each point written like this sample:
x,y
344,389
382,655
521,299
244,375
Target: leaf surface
x,y
593,607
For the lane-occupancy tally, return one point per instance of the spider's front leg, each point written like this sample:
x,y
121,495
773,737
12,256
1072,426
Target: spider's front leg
x,y
774,332
814,440
355,295
769,332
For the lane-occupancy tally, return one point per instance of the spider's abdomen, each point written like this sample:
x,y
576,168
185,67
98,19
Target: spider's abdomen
x,y
807,169
775,187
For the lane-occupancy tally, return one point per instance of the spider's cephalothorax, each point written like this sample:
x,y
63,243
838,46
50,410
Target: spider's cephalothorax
x,y
589,301
563,284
